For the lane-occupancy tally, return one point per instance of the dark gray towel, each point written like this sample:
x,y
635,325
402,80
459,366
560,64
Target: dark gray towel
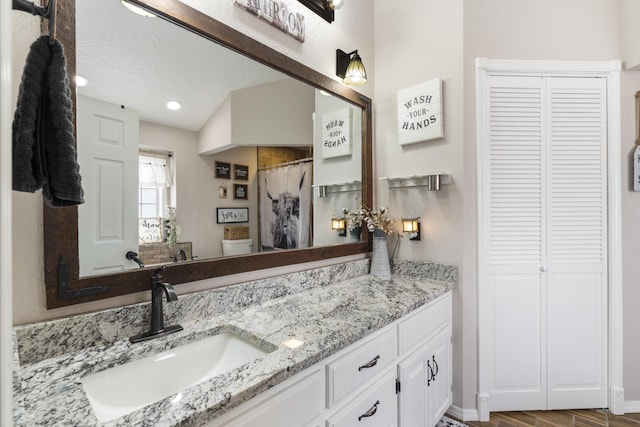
x,y
44,146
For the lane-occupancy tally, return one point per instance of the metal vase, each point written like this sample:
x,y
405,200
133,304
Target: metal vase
x,y
380,265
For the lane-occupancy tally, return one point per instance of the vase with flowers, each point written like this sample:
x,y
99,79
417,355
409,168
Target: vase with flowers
x,y
171,228
353,221
380,223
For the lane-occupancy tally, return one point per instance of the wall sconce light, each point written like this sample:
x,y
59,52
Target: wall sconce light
x,y
411,226
349,67
335,4
339,224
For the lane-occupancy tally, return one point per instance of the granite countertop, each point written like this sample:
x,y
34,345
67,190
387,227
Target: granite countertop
x,y
327,316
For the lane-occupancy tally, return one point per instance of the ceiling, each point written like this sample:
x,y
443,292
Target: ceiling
x,y
141,63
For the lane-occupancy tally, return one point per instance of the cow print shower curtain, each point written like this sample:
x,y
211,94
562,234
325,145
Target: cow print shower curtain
x,y
285,207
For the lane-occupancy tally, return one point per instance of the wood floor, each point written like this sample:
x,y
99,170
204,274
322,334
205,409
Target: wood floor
x,y
577,418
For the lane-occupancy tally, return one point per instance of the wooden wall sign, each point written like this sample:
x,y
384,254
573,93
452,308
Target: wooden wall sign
x,y
420,112
240,191
241,172
278,14
223,170
337,139
232,215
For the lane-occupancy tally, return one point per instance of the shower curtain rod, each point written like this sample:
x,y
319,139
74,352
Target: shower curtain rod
x,y
48,12
291,163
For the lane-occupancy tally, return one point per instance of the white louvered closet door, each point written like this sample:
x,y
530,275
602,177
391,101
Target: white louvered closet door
x,y
545,239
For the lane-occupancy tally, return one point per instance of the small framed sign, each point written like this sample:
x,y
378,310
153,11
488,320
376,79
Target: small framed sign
x,y
240,191
223,170
420,112
241,172
337,133
232,215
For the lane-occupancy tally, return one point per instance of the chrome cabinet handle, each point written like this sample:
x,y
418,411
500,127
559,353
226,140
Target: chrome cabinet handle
x,y
370,364
371,412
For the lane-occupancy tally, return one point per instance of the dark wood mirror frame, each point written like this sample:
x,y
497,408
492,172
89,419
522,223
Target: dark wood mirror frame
x,y
61,266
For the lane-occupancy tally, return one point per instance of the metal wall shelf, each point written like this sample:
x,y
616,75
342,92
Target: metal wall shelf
x,y
431,181
342,187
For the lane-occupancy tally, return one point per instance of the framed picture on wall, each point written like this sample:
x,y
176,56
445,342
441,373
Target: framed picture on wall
x,y
241,172
420,112
223,170
240,191
337,133
232,215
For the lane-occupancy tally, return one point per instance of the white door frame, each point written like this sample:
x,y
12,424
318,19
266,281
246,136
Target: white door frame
x,y
611,71
6,282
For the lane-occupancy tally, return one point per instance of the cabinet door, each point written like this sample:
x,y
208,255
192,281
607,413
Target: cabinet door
x,y
425,382
412,399
439,376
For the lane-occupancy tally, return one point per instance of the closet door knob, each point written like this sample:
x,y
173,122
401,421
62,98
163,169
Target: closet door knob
x,y
544,269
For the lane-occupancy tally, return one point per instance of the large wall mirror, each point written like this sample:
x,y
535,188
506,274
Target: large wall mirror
x,y
246,175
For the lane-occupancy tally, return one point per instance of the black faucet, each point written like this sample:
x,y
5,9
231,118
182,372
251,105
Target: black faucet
x,y
158,287
182,254
131,255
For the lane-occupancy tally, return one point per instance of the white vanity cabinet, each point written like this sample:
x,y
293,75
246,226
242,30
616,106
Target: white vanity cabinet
x,y
400,375
425,365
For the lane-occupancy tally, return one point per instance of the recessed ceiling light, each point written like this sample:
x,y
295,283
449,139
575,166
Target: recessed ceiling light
x,y
81,81
173,105
137,9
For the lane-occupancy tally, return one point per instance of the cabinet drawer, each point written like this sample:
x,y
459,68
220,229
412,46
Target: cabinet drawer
x,y
360,364
378,407
298,404
424,323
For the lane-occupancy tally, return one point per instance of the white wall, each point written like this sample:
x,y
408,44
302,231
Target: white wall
x,y
272,114
351,30
417,41
334,171
28,252
630,84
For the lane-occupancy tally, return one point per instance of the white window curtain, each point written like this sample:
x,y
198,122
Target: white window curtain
x,y
153,172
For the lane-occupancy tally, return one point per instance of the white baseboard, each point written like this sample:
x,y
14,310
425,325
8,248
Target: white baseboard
x,y
463,414
632,406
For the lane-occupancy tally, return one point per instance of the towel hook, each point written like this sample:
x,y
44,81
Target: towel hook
x,y
48,12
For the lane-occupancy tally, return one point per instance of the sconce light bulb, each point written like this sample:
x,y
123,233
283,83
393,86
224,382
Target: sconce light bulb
x,y
336,4
137,9
81,80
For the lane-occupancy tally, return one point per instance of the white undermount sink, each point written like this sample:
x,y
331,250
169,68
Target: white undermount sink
x,y
122,389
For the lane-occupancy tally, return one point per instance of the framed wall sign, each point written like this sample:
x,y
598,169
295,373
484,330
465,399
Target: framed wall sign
x,y
240,191
280,14
337,136
420,112
241,172
232,215
223,170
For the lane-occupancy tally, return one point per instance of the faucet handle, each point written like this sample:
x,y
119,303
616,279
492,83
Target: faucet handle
x,y
157,274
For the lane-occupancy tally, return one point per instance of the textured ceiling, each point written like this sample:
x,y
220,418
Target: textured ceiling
x,y
142,63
